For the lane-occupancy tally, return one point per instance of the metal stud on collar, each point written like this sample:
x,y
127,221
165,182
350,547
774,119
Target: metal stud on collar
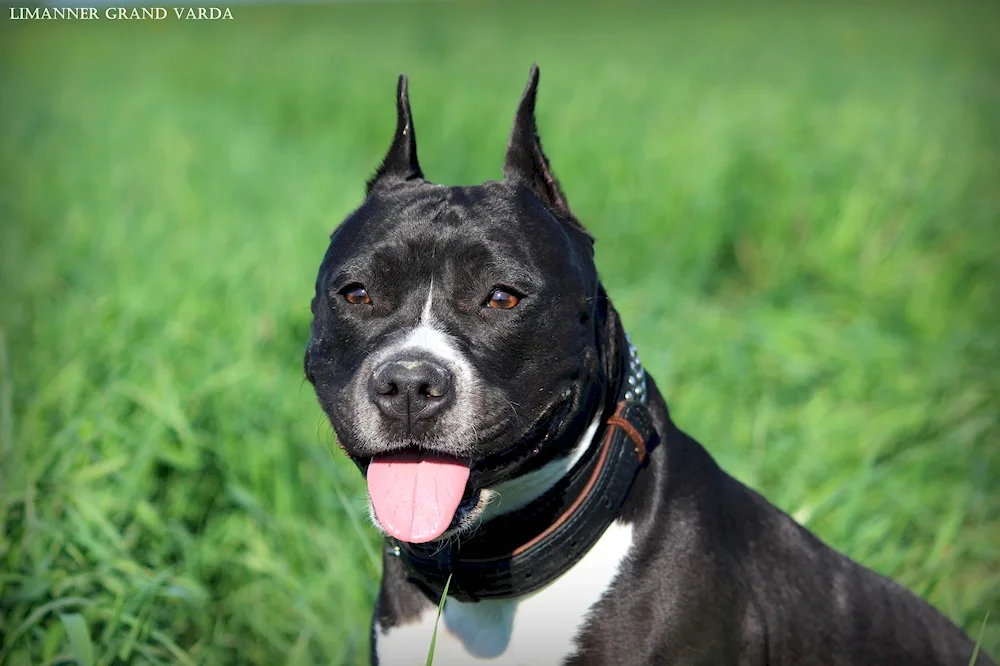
x,y
636,375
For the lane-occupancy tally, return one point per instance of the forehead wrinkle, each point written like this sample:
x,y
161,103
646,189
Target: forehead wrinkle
x,y
477,261
511,262
465,231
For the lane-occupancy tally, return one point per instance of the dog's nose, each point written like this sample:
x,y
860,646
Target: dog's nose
x,y
410,389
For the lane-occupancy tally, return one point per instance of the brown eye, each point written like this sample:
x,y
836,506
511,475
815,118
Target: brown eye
x,y
503,300
355,294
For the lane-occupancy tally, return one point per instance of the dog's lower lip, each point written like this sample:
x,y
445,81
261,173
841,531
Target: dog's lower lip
x,y
418,452
471,498
422,453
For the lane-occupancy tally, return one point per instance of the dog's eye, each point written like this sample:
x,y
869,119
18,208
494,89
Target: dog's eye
x,y
356,294
503,300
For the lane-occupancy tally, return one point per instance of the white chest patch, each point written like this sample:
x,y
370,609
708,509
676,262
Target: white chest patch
x,y
538,629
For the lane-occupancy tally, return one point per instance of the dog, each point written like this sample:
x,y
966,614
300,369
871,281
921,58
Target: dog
x,y
520,461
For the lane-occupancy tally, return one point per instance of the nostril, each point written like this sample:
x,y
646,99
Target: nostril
x,y
389,388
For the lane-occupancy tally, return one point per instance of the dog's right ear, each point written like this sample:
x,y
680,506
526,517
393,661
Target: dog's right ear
x,y
400,163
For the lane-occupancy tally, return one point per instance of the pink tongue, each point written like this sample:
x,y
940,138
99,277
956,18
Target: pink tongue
x,y
415,497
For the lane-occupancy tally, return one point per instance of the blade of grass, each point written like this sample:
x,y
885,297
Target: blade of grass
x,y
80,645
979,640
434,634
36,617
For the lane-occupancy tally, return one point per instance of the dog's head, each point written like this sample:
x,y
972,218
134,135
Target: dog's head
x,y
460,335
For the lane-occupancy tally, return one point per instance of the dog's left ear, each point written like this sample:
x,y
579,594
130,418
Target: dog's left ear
x,y
400,162
527,163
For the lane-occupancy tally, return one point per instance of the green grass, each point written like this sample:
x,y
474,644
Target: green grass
x,y
797,214
437,621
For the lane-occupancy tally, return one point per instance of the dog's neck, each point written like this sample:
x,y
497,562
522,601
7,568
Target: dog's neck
x,y
513,495
534,500
546,519
559,461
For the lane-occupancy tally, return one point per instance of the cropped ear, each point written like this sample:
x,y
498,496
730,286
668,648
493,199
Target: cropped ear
x,y
400,162
526,162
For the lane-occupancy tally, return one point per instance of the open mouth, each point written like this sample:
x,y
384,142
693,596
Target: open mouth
x,y
419,496
416,495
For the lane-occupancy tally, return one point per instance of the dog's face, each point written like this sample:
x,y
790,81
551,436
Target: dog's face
x,y
455,331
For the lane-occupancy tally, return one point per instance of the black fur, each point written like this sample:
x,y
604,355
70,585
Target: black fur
x,y
717,575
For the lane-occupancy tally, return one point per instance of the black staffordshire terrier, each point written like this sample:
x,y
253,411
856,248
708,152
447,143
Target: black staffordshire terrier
x,y
477,374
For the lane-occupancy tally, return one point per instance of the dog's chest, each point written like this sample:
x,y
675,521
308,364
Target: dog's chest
x,y
536,630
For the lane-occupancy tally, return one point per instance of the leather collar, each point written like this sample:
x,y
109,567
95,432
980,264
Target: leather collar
x,y
519,560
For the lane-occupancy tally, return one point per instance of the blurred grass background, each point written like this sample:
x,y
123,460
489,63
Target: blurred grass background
x,y
797,214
